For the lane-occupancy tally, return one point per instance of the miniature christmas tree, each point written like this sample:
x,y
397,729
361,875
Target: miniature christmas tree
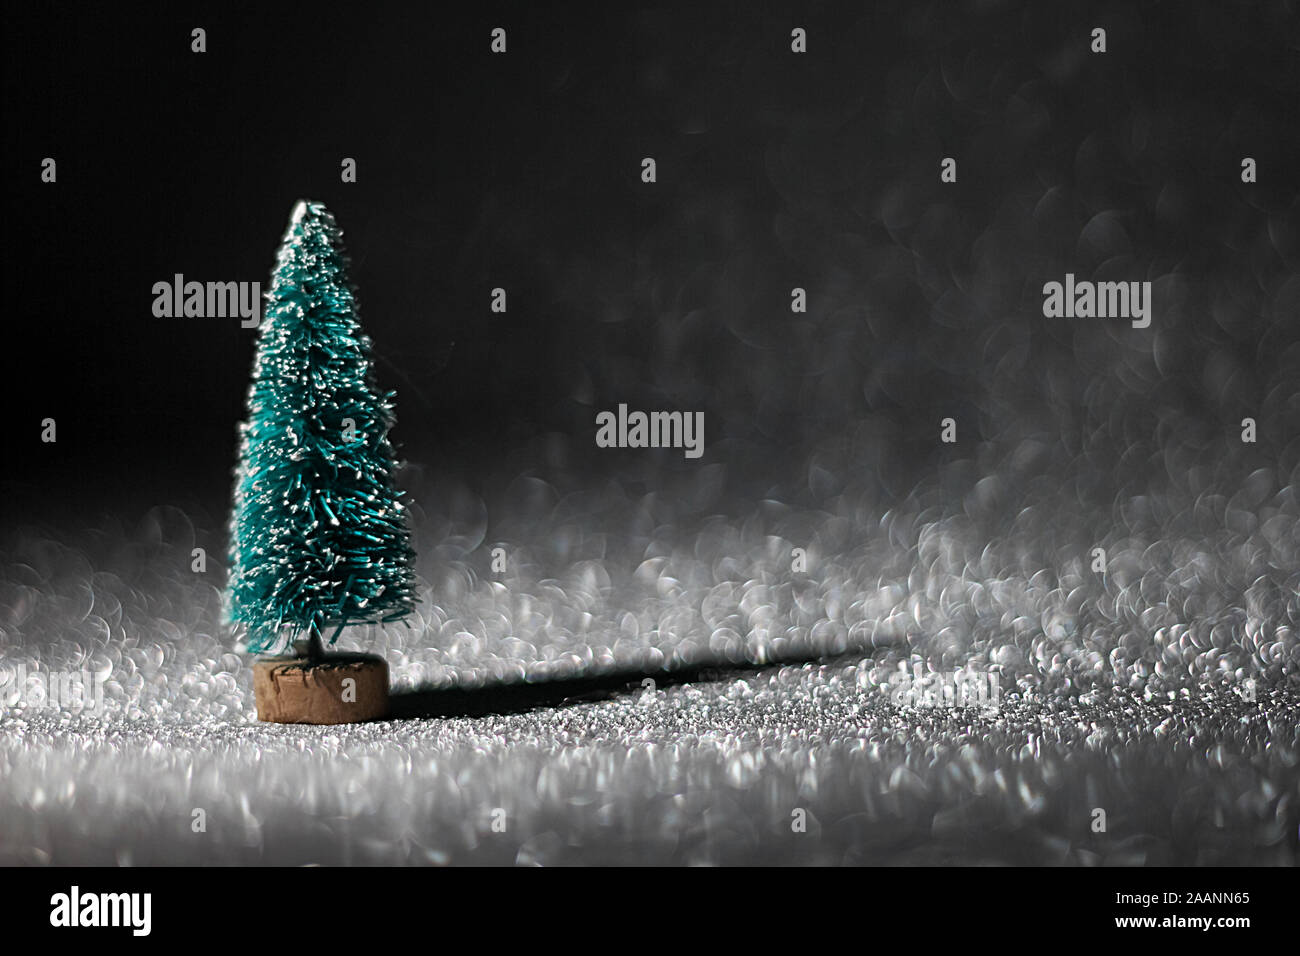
x,y
318,533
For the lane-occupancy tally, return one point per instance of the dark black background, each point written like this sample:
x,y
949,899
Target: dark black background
x,y
1087,896
775,170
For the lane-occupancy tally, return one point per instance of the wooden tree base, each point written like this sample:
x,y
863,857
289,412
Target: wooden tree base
x,y
337,689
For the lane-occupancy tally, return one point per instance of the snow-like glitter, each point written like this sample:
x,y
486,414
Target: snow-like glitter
x,y
1128,692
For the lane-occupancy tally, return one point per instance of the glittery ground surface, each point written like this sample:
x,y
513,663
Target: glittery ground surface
x,y
1129,692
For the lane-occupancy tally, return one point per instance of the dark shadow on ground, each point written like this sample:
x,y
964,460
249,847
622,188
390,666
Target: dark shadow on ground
x,y
517,698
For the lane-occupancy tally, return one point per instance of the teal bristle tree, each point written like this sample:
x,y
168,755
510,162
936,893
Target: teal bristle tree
x,y
319,537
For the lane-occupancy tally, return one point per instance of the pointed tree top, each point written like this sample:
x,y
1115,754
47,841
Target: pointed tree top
x,y
304,206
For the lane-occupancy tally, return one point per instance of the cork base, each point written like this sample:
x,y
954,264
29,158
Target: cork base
x,y
337,689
